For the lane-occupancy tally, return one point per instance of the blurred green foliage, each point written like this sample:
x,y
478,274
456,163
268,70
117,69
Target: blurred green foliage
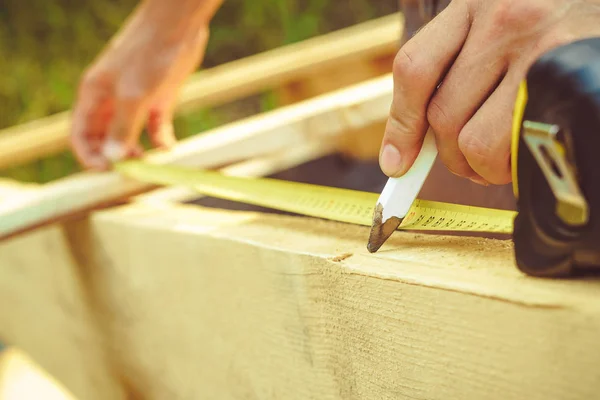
x,y
45,46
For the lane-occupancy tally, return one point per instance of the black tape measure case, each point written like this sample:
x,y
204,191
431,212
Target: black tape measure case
x,y
557,227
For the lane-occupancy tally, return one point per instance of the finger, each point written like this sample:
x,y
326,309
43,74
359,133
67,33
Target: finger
x,y
125,128
87,155
418,68
472,78
89,121
160,123
485,139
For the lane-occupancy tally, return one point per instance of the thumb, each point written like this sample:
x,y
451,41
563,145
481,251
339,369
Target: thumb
x,y
419,66
401,141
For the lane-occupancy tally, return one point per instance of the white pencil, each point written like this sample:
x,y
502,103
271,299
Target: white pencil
x,y
399,194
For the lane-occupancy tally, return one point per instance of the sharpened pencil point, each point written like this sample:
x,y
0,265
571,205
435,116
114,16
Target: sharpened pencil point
x,y
380,232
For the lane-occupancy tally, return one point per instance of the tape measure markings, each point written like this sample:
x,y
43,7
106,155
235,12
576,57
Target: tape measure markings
x,y
342,205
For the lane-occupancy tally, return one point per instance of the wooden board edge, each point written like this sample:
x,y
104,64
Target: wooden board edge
x,y
322,118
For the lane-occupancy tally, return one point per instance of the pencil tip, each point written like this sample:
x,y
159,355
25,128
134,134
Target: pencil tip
x,y
380,232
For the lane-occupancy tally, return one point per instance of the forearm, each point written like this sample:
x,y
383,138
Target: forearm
x,y
166,12
162,20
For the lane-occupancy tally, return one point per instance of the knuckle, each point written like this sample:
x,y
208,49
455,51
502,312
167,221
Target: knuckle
x,y
407,67
440,120
490,162
91,79
403,130
474,148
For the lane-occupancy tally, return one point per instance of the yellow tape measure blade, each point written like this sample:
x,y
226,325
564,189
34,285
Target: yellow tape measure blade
x,y
336,204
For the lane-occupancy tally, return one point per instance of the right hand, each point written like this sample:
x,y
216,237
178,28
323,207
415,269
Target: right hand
x,y
135,81
460,74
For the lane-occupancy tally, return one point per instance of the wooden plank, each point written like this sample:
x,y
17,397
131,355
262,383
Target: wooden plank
x,y
227,82
22,379
322,118
47,315
248,305
363,143
33,293
9,188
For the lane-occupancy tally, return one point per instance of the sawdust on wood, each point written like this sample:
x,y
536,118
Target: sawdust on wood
x,y
341,257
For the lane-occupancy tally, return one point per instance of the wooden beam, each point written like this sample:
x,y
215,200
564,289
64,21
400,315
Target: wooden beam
x,y
363,143
249,305
46,318
25,287
319,119
227,82
22,379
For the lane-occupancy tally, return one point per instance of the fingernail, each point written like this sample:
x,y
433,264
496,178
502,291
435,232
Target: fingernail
x,y
390,160
113,150
479,181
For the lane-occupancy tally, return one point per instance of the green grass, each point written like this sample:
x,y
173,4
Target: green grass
x,y
45,46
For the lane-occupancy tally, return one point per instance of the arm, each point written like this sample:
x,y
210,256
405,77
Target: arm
x,y
134,81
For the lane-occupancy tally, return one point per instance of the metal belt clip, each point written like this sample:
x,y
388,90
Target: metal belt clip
x,y
571,206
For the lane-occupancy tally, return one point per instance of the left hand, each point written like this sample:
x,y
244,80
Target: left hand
x,y
477,51
134,82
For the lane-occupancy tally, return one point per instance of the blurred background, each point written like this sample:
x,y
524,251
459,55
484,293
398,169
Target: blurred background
x,y
45,46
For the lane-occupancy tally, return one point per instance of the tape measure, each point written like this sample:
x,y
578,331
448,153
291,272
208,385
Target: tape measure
x,y
342,205
555,138
555,163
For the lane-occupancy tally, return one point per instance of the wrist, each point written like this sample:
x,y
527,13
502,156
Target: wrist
x,y
161,25
179,13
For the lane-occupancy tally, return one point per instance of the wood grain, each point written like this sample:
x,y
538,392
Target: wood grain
x,y
70,314
22,379
47,315
251,306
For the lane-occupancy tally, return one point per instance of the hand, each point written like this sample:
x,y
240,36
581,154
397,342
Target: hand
x,y
134,82
477,51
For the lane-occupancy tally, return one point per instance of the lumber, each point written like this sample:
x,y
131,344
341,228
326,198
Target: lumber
x,y
9,188
322,118
22,379
363,143
79,370
46,317
221,304
227,82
